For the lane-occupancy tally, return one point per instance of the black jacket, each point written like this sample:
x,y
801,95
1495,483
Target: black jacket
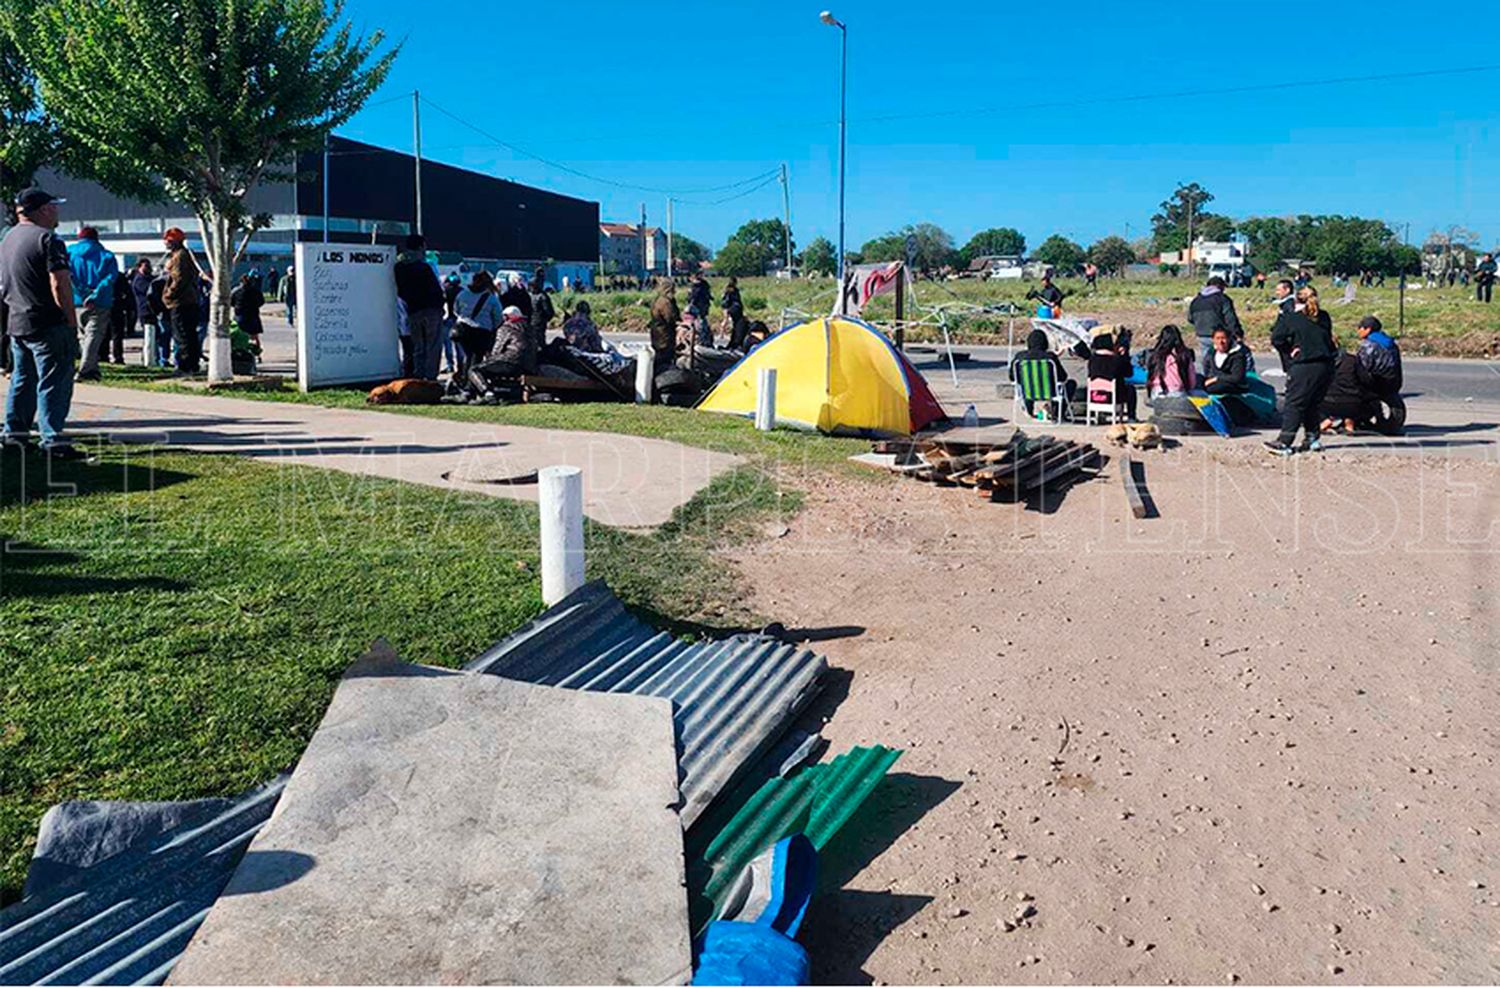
x,y
732,304
699,298
1230,379
1106,365
417,284
1208,312
1312,341
518,296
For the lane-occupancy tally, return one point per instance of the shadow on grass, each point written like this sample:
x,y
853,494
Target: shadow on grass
x,y
28,477
18,577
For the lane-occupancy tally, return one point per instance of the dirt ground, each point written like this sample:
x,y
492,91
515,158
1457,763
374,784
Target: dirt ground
x,y
1252,740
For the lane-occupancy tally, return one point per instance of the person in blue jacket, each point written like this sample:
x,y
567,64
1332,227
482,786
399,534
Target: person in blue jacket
x,y
94,271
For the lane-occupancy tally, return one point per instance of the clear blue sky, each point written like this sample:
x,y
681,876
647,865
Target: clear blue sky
x,y
686,96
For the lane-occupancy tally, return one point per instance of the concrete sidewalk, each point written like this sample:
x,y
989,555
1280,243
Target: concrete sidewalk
x,y
628,481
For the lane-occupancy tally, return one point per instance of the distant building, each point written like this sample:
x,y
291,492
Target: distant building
x,y
621,249
1000,266
656,251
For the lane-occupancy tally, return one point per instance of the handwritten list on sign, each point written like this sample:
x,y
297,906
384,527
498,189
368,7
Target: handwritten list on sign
x,y
346,315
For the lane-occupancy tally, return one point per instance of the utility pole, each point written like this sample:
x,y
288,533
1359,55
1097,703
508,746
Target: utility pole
x,y
786,205
416,130
671,266
645,268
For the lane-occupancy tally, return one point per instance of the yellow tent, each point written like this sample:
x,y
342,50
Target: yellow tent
x,y
836,375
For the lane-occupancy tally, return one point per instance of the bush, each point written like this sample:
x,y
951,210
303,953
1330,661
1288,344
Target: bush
x,y
759,303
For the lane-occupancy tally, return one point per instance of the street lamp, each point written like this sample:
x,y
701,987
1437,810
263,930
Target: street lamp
x,y
827,18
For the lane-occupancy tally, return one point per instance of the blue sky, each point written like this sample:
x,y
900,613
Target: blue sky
x,y
947,115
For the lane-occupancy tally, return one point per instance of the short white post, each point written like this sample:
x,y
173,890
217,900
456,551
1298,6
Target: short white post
x,y
561,498
765,400
645,374
148,345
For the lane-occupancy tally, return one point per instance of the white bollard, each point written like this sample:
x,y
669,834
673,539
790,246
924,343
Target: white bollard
x,y
645,374
148,345
765,400
561,499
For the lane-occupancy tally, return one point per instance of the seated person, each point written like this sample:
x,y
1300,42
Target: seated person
x,y
1349,401
1380,362
1225,367
1109,361
1169,365
510,357
1038,348
580,331
756,335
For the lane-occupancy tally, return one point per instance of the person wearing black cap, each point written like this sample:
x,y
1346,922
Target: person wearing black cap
x,y
42,325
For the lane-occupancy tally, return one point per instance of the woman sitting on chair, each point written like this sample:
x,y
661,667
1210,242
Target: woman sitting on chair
x,y
1108,362
1038,348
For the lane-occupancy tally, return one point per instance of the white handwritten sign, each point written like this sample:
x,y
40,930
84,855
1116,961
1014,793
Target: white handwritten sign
x,y
346,315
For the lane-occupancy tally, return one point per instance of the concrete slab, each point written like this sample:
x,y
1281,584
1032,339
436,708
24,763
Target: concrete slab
x,y
628,481
451,828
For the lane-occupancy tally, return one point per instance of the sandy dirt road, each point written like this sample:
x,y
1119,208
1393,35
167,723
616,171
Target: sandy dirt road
x,y
1254,739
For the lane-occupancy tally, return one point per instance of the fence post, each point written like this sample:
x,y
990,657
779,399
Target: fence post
x,y
645,374
765,400
560,492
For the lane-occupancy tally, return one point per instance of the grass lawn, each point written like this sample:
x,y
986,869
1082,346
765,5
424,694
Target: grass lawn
x,y
172,625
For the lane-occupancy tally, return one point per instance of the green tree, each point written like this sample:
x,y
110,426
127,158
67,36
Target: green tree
x,y
27,138
688,252
197,101
1169,227
820,258
1112,254
1002,240
740,260
765,240
891,247
1061,253
931,247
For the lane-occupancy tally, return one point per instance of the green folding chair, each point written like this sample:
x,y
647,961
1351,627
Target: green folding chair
x,y
1036,381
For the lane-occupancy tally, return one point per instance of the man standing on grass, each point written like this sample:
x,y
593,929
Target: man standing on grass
x,y
418,288
1484,279
42,326
179,296
1210,310
93,271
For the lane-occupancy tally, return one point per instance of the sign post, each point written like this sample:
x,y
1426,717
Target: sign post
x,y
346,315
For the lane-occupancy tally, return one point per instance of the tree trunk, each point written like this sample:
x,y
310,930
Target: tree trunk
x,y
218,243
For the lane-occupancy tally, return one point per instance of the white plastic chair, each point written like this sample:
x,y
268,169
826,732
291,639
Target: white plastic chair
x,y
1114,408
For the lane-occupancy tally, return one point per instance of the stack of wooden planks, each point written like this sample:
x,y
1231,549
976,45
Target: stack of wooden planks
x,y
1015,468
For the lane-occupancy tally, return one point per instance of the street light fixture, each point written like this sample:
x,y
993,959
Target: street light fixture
x,y
827,18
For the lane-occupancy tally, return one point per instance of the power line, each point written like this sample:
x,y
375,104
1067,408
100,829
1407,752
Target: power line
x,y
585,175
774,178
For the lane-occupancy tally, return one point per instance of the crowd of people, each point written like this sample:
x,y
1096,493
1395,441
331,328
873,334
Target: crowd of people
x,y
1328,388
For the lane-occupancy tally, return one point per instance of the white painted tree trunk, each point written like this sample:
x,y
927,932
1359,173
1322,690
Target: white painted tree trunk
x,y
218,244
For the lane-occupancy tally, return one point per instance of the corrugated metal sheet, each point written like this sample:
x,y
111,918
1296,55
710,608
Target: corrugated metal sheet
x,y
732,698
816,801
128,918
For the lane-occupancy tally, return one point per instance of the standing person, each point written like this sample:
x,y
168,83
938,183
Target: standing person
x,y
180,298
156,345
1484,279
42,326
542,311
1380,366
699,297
1049,295
1091,274
417,286
1307,340
477,315
93,270
1211,309
665,315
121,318
453,354
289,295
515,294
734,308
246,300
273,282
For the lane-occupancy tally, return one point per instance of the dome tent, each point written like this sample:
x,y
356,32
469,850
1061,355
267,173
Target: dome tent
x,y
837,375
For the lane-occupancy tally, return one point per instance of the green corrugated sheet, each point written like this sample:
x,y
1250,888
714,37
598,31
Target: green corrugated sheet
x,y
816,801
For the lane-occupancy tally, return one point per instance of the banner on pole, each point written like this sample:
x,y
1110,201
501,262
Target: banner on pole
x,y
864,282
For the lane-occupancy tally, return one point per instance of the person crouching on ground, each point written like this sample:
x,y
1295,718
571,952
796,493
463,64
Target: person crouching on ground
x,y
1225,369
1350,402
1110,361
1169,366
510,357
1380,361
1306,336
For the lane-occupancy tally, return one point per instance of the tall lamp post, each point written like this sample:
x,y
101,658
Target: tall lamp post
x,y
828,18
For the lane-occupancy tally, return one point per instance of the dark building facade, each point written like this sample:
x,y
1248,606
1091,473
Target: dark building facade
x,y
371,198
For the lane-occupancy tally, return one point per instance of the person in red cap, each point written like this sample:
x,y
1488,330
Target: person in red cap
x,y
180,299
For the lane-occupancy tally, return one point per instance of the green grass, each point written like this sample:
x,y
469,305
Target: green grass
x,y
783,449
173,625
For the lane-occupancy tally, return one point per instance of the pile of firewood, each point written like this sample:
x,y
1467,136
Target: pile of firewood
x,y
1014,468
